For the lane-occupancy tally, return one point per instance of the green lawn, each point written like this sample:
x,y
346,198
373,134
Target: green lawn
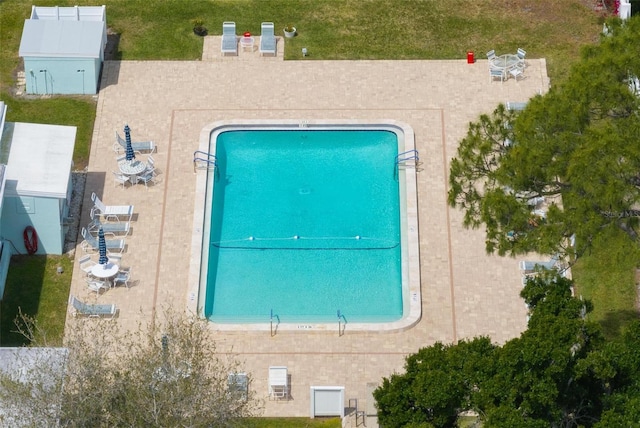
x,y
290,423
606,276
34,286
329,29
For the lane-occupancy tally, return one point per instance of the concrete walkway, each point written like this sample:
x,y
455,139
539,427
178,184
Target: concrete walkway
x,y
465,293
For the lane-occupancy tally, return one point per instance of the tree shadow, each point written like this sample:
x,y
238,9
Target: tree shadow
x,y
22,292
111,52
615,322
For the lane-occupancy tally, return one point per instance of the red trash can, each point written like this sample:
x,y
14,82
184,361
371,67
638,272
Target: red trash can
x,y
470,57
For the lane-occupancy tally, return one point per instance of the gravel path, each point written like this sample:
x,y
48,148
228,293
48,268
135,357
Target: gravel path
x,y
78,179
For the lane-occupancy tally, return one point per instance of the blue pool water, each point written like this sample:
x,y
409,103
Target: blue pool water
x,y
305,223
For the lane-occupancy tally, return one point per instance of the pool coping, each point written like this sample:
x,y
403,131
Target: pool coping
x,y
412,301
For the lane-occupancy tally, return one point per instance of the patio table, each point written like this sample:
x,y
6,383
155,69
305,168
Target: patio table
x,y
247,42
106,271
132,168
505,62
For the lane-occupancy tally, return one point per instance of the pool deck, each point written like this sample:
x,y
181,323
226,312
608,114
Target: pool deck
x,y
465,292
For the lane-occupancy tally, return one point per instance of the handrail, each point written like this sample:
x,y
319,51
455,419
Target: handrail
x,y
204,153
342,323
408,155
209,159
277,317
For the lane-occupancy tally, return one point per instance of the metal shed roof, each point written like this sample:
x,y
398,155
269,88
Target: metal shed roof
x,y
40,160
74,13
3,114
49,38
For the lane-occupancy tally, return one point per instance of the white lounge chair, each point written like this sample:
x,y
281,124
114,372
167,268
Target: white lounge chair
x,y
119,228
229,40
278,382
516,106
90,243
267,38
533,266
92,311
238,383
113,212
138,146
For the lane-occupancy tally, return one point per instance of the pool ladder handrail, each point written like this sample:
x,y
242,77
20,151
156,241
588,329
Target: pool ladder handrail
x,y
359,414
409,155
274,329
209,160
342,323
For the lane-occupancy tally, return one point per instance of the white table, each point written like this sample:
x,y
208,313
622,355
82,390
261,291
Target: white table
x,y
105,272
132,168
247,42
505,62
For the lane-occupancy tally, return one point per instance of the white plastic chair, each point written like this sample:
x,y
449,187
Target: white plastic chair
x,y
86,264
495,73
146,178
123,277
517,73
521,54
491,54
114,258
120,179
151,167
96,285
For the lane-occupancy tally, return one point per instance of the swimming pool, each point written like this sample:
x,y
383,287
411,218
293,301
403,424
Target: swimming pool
x,y
307,224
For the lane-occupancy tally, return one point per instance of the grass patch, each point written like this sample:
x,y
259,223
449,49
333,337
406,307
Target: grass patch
x,y
34,286
290,423
339,29
606,276
329,29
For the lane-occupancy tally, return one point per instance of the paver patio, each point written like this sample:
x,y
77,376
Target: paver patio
x,y
465,292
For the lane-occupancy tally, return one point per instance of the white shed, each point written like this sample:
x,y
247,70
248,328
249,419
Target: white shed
x,y
37,184
63,49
